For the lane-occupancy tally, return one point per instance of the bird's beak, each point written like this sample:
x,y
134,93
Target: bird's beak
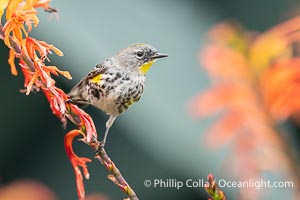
x,y
159,55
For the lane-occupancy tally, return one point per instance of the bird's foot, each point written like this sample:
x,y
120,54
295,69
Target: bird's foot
x,y
70,100
76,101
99,148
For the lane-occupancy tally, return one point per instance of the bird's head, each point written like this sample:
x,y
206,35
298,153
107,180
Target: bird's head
x,y
139,57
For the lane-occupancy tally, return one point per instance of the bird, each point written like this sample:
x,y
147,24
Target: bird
x,y
118,82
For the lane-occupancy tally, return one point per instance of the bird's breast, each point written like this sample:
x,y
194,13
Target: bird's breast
x,y
116,92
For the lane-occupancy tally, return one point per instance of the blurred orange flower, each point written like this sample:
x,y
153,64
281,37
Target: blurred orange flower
x,y
281,93
33,190
26,190
255,85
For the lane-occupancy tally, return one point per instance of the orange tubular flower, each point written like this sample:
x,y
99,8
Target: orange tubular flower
x,y
56,98
11,62
19,14
256,80
281,88
27,73
42,72
77,162
43,48
84,121
41,4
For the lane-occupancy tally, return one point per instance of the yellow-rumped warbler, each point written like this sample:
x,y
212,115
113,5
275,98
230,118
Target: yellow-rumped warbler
x,y
117,83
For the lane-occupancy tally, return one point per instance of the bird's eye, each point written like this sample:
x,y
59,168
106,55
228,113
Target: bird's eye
x,y
140,54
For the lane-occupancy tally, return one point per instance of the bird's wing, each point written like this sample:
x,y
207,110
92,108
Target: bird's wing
x,y
93,76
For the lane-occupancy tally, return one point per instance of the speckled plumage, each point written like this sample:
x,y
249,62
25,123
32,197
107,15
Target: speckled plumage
x,y
118,82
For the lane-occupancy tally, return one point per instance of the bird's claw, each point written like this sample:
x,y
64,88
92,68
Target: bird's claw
x,y
70,100
99,148
77,101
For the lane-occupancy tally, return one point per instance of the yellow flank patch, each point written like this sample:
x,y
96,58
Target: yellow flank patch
x,y
146,66
129,103
96,79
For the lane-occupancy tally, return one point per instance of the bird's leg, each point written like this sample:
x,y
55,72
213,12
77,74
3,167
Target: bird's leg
x,y
109,123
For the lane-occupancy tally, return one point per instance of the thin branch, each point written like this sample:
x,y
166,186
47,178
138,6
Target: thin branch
x,y
114,173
